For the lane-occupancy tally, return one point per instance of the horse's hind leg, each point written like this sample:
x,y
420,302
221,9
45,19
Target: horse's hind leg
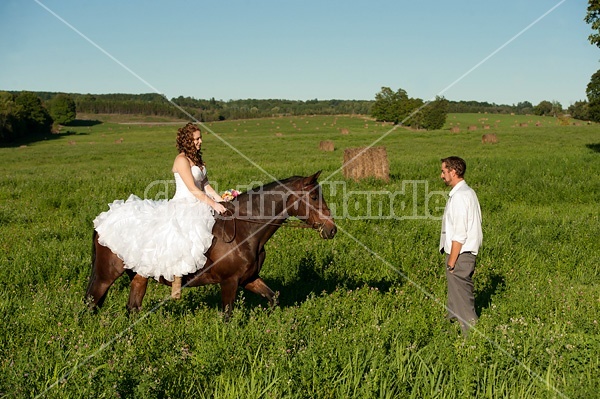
x,y
137,291
106,268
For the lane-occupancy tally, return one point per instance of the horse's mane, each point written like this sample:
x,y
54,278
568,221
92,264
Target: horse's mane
x,y
250,196
272,186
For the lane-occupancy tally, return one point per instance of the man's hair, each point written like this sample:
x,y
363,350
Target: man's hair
x,y
456,164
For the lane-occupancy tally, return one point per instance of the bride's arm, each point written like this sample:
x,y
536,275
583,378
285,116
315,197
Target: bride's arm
x,y
211,191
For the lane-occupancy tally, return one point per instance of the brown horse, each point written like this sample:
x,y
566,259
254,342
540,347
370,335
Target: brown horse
x,y
237,251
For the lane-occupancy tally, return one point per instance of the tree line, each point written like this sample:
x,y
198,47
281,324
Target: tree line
x,y
399,108
591,109
25,114
214,110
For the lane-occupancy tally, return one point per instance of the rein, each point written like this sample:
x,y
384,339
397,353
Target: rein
x,y
297,224
292,224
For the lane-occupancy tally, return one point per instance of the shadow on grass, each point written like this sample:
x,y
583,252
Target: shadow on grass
x,y
84,123
494,285
594,147
311,279
22,142
305,279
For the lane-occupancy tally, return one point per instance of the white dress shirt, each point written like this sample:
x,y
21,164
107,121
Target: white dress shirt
x,y
462,220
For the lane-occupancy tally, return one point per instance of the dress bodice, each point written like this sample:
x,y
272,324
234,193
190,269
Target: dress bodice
x,y
181,190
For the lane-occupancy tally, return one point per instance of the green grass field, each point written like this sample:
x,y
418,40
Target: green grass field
x,y
360,316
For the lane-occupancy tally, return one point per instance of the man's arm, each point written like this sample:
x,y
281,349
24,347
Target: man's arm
x,y
454,252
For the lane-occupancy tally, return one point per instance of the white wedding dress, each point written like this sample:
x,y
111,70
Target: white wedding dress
x,y
160,238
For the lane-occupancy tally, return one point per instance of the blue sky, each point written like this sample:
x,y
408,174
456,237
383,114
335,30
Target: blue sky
x,y
462,49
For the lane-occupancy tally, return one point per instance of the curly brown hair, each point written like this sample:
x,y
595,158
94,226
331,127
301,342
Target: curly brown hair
x,y
185,143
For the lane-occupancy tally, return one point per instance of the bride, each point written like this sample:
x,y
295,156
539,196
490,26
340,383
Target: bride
x,y
166,238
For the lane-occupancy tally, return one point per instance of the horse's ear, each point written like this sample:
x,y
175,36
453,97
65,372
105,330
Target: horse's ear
x,y
311,180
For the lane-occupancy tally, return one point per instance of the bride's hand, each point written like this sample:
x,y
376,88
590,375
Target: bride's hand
x,y
219,208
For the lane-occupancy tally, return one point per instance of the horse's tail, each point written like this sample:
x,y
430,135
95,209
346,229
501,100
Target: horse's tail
x,y
94,235
92,278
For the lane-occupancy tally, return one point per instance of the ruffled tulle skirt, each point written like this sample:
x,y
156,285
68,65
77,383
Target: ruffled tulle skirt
x,y
158,238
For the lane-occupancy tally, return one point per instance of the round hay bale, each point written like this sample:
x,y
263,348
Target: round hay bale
x,y
345,131
364,162
455,129
472,128
489,138
326,145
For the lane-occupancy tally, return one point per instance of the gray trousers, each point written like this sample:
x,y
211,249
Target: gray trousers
x,y
461,301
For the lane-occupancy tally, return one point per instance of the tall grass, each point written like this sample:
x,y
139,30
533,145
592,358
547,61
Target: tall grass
x,y
360,316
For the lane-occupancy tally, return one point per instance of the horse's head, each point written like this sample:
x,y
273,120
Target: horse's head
x,y
307,204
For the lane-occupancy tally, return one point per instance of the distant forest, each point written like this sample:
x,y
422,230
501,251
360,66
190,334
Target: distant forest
x,y
212,110
25,114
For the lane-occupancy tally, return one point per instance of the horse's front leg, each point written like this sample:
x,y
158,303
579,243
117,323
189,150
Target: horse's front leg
x,y
257,284
259,287
228,290
137,291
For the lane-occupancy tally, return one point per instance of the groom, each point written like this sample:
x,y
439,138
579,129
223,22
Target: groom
x,y
460,240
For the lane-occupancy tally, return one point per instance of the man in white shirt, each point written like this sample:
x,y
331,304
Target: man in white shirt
x,y
460,240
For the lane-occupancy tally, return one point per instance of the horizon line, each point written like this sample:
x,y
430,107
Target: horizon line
x,y
261,99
